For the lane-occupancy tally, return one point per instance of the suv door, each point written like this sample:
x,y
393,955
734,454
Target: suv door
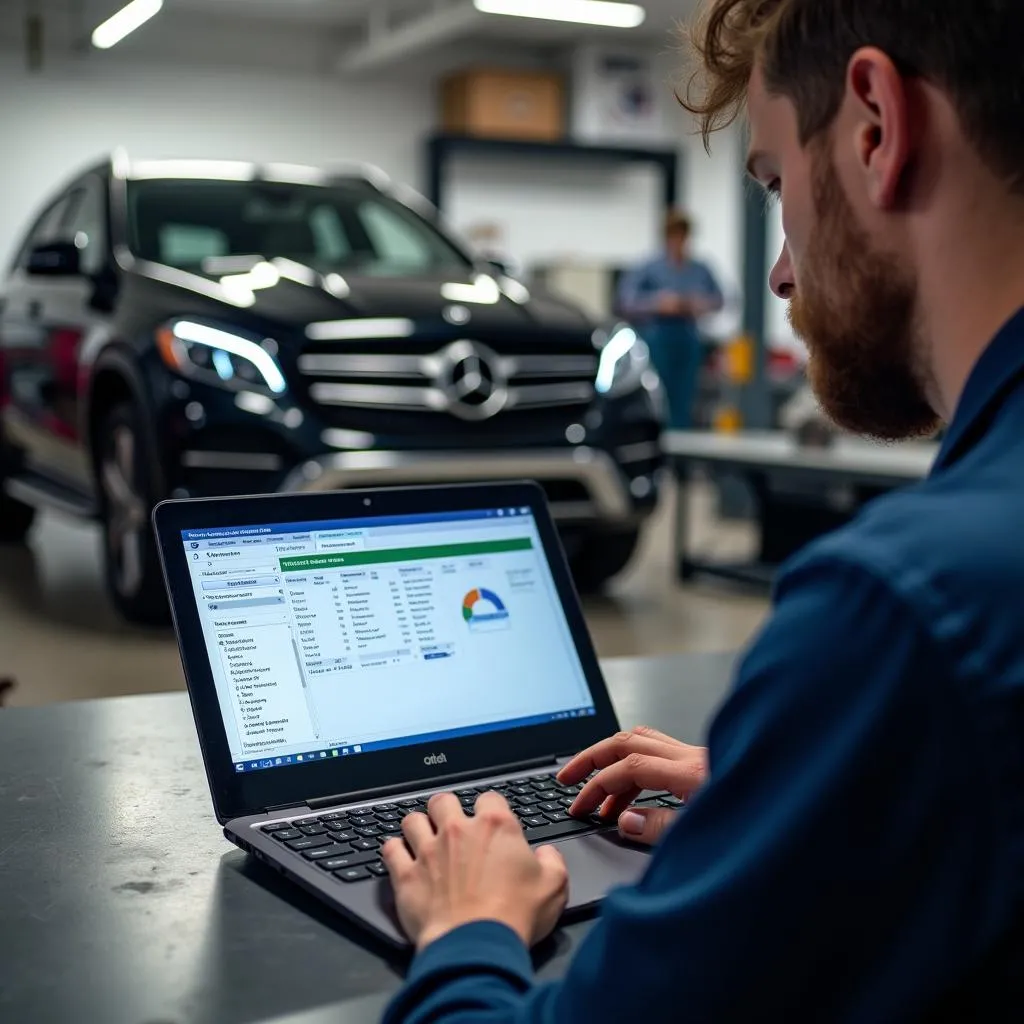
x,y
22,338
60,311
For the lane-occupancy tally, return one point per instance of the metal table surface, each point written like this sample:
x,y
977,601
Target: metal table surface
x,y
761,456
846,459
122,903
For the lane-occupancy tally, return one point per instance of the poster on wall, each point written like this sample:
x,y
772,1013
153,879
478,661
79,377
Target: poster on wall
x,y
617,97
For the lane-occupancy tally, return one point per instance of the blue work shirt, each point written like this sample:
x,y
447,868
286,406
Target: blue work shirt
x,y
639,289
858,853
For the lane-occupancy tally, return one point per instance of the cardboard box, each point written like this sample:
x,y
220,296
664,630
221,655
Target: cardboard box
x,y
497,104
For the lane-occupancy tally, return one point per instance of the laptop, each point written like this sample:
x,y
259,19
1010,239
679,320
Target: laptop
x,y
349,654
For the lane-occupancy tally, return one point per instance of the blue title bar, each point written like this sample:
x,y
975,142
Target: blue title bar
x,y
271,529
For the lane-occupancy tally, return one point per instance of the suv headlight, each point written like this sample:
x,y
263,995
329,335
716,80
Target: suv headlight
x,y
625,359
218,356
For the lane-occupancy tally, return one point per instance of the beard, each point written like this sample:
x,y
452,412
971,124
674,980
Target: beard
x,y
856,312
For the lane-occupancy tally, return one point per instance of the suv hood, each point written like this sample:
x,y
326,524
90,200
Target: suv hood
x,y
293,297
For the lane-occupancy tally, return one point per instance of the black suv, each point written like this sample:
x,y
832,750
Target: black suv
x,y
186,328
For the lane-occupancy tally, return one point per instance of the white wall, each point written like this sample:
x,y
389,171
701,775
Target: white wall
x,y
559,210
52,124
713,194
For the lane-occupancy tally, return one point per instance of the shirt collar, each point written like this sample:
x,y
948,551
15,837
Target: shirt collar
x,y
998,369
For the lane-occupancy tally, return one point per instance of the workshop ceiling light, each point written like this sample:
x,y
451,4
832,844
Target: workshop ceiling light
x,y
581,12
126,21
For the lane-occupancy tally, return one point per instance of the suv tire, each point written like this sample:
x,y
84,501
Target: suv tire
x,y
600,557
16,517
125,486
15,520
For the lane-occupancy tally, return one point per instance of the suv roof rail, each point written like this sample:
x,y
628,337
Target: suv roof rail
x,y
125,167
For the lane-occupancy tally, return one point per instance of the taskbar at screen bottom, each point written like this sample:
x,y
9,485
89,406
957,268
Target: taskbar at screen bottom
x,y
254,764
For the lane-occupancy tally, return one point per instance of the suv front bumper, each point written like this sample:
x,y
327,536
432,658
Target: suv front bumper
x,y
605,492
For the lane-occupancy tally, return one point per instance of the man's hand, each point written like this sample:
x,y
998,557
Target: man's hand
x,y
627,763
672,304
473,869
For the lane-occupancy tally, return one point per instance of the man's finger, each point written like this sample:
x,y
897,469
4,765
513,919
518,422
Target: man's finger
x,y
615,805
615,748
638,771
396,855
553,864
646,824
418,831
492,803
657,734
443,808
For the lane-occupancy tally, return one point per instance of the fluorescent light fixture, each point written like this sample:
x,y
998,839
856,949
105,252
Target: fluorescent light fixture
x,y
125,22
580,12
357,329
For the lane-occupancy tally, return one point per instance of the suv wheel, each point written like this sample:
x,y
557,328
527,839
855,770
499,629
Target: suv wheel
x,y
15,520
132,565
600,557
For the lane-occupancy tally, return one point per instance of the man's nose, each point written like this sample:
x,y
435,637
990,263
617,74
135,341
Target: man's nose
x,y
781,277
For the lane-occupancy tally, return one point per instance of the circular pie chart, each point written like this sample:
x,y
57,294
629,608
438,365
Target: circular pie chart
x,y
481,605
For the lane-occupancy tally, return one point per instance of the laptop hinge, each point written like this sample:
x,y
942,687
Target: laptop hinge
x,y
287,810
437,782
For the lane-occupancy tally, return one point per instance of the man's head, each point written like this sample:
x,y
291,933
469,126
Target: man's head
x,y
863,114
677,235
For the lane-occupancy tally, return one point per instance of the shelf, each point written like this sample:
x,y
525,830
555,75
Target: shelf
x,y
440,148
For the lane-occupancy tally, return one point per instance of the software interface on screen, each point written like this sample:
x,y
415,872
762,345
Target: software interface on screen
x,y
333,639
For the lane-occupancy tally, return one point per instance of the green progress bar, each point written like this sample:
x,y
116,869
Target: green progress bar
x,y
345,560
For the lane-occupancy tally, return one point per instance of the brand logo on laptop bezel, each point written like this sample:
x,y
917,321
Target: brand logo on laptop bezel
x,y
431,759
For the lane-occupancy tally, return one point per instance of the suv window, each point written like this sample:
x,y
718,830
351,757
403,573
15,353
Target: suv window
x,y
182,222
46,229
390,233
85,223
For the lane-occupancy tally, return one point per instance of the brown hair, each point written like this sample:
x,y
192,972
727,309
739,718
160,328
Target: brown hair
x,y
971,50
677,223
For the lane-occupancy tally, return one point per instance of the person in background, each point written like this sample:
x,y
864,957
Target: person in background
x,y
663,298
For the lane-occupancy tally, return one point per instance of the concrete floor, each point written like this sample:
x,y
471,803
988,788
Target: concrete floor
x,y
60,640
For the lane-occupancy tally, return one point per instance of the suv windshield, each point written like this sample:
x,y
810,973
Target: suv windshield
x,y
183,223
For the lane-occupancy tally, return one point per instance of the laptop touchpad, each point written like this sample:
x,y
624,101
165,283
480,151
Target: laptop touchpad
x,y
599,863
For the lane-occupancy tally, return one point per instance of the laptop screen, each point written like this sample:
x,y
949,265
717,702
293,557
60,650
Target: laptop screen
x,y
339,638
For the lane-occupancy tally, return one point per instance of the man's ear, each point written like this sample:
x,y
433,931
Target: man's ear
x,y
878,100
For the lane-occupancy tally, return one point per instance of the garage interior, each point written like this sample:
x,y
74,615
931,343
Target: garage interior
x,y
323,82
400,382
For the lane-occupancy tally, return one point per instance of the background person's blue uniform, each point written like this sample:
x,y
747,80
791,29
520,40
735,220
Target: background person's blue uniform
x,y
674,340
858,853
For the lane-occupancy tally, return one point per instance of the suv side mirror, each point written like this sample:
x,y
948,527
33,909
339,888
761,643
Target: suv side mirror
x,y
499,266
54,259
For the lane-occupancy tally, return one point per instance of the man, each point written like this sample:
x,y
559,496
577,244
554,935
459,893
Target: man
x,y
664,298
856,852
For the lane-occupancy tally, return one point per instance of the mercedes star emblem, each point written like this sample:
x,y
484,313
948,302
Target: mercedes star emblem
x,y
473,381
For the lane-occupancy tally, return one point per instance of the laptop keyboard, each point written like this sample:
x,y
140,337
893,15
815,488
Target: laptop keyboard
x,y
347,843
